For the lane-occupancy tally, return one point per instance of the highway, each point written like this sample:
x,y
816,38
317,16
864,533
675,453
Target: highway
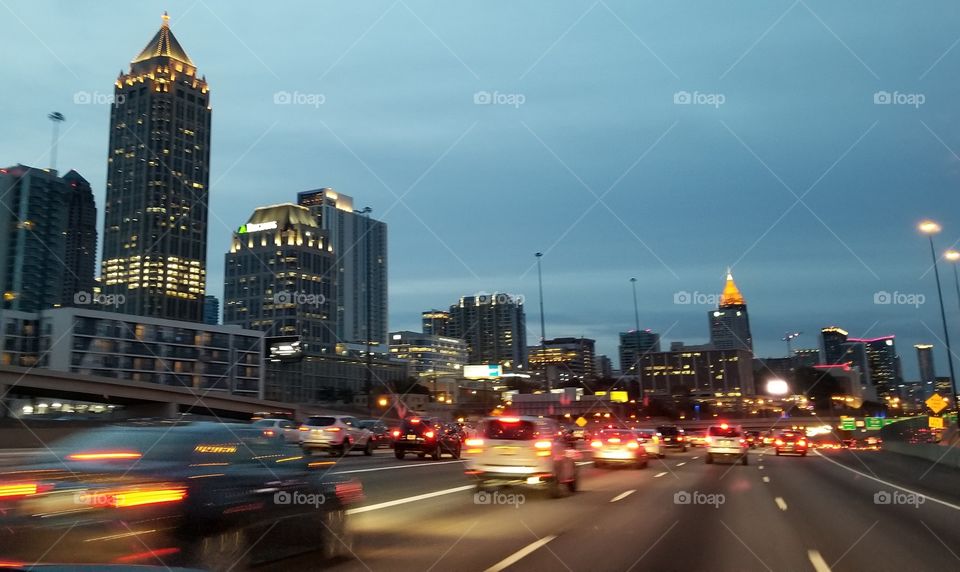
x,y
822,512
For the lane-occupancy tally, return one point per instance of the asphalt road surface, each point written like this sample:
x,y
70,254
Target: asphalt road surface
x,y
841,511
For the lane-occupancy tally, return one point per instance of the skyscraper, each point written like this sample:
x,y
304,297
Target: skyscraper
x,y
730,323
563,361
48,238
832,340
436,322
158,174
211,310
494,327
634,344
883,361
359,243
928,375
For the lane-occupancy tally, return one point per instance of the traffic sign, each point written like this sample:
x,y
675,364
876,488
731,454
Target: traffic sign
x,y
936,403
935,422
874,422
580,421
847,423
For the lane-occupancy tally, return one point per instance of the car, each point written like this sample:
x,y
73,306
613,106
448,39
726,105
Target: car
x,y
791,442
335,434
754,438
283,430
379,433
522,452
673,436
726,441
424,436
202,495
651,440
618,447
696,438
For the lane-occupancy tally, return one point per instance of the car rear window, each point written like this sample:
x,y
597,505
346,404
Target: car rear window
x,y
623,435
263,423
721,432
320,421
415,426
510,430
669,431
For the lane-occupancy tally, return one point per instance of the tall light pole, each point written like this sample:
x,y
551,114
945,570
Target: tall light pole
x,y
543,327
57,118
789,337
636,308
954,256
930,228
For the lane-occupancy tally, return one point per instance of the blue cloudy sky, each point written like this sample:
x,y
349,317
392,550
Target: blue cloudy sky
x,y
782,164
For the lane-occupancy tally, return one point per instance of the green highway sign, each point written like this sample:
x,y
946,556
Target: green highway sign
x,y
874,422
848,423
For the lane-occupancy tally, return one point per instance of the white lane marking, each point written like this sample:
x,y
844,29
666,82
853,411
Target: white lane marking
x,y
681,464
766,479
819,564
406,500
760,467
658,475
872,478
519,555
391,467
582,463
695,458
623,495
781,504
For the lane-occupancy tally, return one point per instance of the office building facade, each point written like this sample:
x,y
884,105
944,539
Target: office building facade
x,y
730,322
211,310
494,328
435,322
697,373
563,362
158,176
359,244
429,355
634,344
928,373
48,239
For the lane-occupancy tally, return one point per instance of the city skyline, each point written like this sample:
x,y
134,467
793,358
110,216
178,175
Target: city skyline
x,y
586,273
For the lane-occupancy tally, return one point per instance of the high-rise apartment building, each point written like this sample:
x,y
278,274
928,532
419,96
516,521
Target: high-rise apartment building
x,y
436,322
494,328
634,344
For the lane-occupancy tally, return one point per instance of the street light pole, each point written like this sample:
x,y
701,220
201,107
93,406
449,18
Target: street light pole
x,y
931,228
543,327
954,256
636,308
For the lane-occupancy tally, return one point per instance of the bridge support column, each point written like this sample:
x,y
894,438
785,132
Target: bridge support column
x,y
159,410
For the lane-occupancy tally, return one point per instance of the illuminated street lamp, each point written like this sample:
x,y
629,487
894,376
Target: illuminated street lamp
x,y
777,387
382,402
930,228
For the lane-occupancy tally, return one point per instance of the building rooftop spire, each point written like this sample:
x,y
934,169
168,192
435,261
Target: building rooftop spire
x,y
731,294
164,44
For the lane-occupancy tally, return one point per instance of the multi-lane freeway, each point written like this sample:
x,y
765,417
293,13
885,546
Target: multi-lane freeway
x,y
839,510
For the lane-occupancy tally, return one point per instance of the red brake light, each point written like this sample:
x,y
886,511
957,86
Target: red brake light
x,y
510,420
428,434
802,442
633,445
679,437
16,490
396,432
474,442
415,420
613,440
268,432
137,496
596,444
779,441
543,444
104,456
333,429
724,426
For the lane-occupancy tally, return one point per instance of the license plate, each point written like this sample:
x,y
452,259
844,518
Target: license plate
x,y
411,437
507,450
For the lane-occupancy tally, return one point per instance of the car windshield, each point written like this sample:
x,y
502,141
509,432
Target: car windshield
x,y
719,431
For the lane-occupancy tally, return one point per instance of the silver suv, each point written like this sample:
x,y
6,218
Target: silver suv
x,y
335,434
726,441
526,451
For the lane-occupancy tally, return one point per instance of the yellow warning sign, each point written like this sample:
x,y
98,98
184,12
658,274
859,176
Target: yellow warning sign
x,y
936,403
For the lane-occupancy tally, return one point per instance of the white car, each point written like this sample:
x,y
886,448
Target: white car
x,y
618,447
335,434
652,442
726,441
281,429
524,451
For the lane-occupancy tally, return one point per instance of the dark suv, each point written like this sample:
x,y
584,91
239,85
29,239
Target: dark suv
x,y
424,436
673,436
379,434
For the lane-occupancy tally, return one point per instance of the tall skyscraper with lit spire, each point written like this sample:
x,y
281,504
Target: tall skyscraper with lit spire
x,y
730,323
158,174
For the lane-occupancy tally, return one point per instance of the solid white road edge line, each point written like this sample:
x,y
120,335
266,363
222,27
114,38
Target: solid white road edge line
x,y
394,467
406,500
659,474
872,478
519,555
623,495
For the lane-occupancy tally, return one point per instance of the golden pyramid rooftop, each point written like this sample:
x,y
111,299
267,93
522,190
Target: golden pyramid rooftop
x,y
164,44
731,294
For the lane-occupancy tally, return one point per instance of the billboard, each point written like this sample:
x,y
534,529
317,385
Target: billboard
x,y
486,371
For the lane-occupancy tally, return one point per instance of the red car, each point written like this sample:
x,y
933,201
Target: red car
x,y
790,442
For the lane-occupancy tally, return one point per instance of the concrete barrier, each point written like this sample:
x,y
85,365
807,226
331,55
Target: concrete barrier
x,y
943,455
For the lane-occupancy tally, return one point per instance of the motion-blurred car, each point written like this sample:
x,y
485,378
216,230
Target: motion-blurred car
x,y
335,434
379,434
522,451
282,430
651,441
726,441
204,495
697,438
424,436
618,447
673,436
791,442
754,438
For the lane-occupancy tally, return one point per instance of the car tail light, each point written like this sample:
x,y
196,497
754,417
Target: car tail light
x,y
349,492
596,444
613,440
802,442
679,437
474,442
510,420
104,456
18,490
633,445
415,421
428,434
268,432
304,428
543,444
135,496
333,429
396,433
708,439
778,442
743,441
724,426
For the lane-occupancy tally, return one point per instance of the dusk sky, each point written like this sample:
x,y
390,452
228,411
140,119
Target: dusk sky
x,y
797,142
